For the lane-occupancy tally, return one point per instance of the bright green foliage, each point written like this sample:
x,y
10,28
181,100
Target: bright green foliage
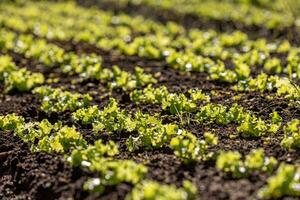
x,y
87,66
110,119
231,162
57,100
291,138
82,157
142,78
288,88
47,137
264,13
127,81
282,86
198,95
61,141
33,131
249,124
175,103
293,66
23,80
273,66
275,122
150,190
96,158
86,115
189,62
217,113
11,122
252,126
178,104
17,79
256,160
6,67
242,70
150,95
43,136
151,132
114,172
187,147
285,183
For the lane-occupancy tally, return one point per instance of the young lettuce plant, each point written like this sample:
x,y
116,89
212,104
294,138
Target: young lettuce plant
x,y
283,86
113,172
188,148
251,126
6,67
11,122
127,81
17,79
110,119
152,190
98,158
83,157
47,137
273,65
57,100
293,67
62,141
176,103
285,183
151,133
217,113
291,139
23,80
87,66
231,162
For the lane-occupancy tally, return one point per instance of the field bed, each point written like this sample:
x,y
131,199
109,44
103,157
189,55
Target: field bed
x,y
189,20
29,172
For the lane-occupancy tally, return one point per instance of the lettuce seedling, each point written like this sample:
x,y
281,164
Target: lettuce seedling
x,y
62,141
291,139
273,65
176,103
113,172
147,190
151,133
23,80
57,100
11,122
284,183
6,67
83,157
188,148
231,162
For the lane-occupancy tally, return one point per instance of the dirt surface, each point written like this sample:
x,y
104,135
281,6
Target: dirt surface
x,y
26,175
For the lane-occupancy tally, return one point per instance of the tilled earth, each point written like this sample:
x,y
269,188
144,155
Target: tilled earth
x,y
26,175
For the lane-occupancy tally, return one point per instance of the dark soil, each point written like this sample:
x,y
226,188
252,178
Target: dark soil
x,y
26,175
